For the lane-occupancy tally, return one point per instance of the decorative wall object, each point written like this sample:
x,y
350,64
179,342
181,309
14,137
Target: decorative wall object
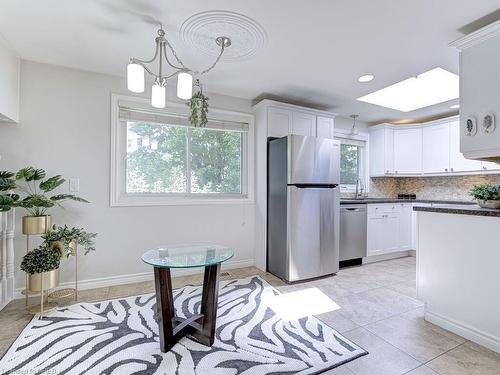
x,y
488,123
470,126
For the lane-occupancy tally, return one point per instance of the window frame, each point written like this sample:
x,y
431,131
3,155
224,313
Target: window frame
x,y
118,194
344,137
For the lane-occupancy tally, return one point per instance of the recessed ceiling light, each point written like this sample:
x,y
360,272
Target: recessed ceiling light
x,y
455,106
429,88
366,78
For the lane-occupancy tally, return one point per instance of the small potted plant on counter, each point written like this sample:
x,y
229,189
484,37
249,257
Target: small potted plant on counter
x,y
37,200
487,195
42,261
65,239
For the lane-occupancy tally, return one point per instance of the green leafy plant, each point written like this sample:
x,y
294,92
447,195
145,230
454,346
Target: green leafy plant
x,y
41,259
66,235
7,183
486,192
199,109
37,200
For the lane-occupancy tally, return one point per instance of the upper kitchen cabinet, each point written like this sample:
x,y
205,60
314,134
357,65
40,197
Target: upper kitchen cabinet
x,y
436,148
479,93
408,150
9,85
324,127
431,148
303,124
280,122
458,163
283,119
381,150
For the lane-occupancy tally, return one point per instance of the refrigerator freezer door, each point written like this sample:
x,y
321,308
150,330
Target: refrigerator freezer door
x,y
313,160
313,232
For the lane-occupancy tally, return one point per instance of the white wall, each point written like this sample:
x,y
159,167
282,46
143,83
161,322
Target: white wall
x,y
9,84
65,129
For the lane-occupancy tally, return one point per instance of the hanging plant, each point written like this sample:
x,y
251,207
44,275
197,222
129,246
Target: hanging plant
x,y
199,109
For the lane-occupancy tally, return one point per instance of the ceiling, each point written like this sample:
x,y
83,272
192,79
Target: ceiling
x,y
315,50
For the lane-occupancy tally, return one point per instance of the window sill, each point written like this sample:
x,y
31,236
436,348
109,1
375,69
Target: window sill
x,y
134,202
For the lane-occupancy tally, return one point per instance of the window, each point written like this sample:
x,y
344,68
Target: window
x,y
163,158
160,159
349,164
352,164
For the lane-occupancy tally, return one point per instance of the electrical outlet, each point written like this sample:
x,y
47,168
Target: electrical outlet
x,y
74,185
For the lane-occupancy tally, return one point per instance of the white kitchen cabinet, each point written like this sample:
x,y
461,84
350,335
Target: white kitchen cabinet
x,y
408,151
324,127
458,163
405,226
303,124
283,122
436,148
479,94
381,151
280,122
382,229
389,228
489,166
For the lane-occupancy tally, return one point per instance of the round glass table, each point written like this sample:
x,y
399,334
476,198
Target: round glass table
x,y
201,326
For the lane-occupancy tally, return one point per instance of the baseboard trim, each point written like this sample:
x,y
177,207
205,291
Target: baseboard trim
x,y
468,332
381,257
104,282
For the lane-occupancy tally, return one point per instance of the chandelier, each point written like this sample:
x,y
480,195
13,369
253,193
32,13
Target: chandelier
x,y
136,70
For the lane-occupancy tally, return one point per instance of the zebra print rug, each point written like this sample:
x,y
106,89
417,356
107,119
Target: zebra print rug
x,y
120,337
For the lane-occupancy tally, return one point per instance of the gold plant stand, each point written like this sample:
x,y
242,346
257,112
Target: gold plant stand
x,y
67,292
52,279
36,225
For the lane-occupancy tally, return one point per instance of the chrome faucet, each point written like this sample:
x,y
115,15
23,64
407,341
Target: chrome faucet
x,y
359,188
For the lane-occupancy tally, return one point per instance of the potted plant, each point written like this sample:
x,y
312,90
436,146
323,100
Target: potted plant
x,y
45,261
198,105
487,195
7,183
65,239
37,200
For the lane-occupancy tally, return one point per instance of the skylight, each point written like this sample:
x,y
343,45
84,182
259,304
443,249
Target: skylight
x,y
429,88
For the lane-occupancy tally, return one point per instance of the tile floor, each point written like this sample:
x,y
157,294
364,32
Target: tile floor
x,y
379,311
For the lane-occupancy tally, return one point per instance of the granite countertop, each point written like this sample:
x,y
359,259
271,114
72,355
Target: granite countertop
x,y
469,209
395,200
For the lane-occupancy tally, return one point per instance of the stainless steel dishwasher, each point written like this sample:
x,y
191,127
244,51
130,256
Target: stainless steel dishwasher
x,y
352,232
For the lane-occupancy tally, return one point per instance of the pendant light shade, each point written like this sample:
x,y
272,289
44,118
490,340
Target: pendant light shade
x,y
184,86
135,78
158,95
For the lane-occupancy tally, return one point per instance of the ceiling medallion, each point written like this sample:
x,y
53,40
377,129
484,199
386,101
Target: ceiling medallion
x,y
247,35
136,70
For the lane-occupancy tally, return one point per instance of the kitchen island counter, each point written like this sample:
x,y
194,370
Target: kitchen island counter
x,y
460,209
457,270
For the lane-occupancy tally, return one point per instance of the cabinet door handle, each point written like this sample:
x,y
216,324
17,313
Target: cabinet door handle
x,y
446,169
451,169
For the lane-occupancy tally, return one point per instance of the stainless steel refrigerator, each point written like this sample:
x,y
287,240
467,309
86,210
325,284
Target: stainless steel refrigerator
x,y
303,207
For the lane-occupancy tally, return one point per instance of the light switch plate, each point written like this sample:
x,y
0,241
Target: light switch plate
x,y
74,185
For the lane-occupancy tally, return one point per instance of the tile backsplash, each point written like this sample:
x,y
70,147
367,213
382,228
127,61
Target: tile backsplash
x,y
445,188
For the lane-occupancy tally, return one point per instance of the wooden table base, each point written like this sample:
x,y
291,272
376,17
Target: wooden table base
x,y
201,326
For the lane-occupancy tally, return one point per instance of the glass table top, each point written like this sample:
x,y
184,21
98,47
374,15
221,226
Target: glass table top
x,y
187,255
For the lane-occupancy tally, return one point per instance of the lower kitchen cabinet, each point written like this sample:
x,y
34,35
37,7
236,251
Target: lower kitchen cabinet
x,y
389,228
